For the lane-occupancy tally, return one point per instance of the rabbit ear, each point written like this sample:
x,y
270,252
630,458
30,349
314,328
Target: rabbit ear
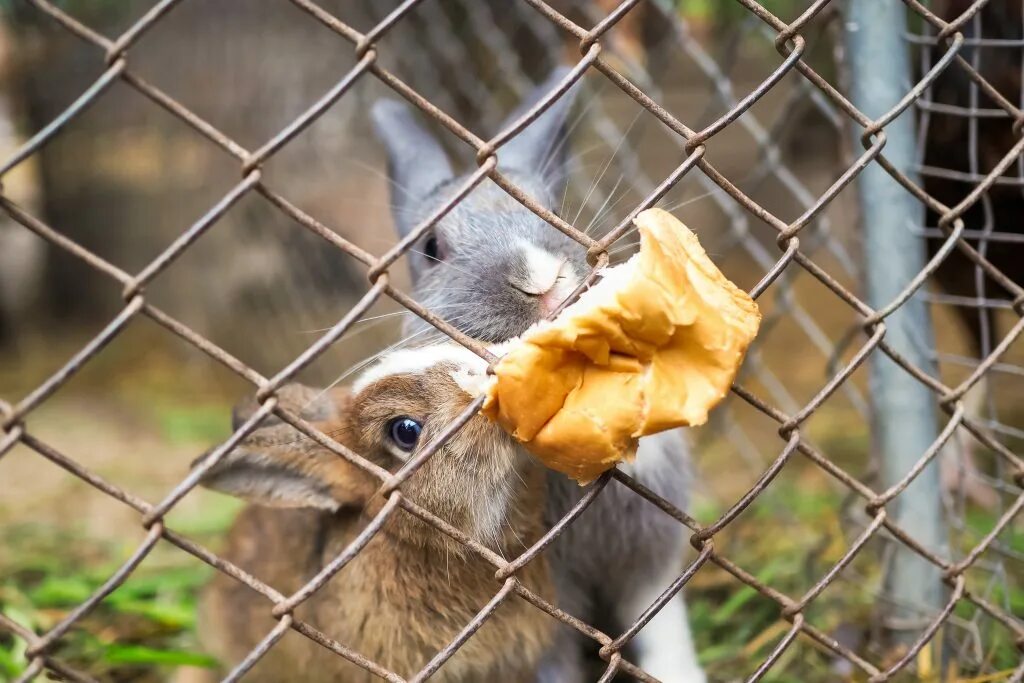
x,y
279,466
311,404
541,146
417,163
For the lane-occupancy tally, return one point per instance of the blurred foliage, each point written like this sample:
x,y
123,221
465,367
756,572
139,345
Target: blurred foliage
x,y
722,12
736,627
728,13
191,423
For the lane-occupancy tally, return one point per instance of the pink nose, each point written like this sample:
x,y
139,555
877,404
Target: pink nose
x,y
549,301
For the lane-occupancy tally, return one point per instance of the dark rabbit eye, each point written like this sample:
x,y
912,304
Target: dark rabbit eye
x,y
405,432
432,249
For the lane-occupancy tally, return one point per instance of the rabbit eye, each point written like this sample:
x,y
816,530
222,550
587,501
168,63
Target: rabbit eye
x,y
432,249
405,432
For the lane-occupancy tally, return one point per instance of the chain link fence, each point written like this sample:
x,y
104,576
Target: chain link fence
x,y
761,166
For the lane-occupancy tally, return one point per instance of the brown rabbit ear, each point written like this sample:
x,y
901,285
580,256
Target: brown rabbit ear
x,y
314,405
279,466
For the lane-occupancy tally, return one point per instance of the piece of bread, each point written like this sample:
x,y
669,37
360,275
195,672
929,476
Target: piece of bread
x,y
654,345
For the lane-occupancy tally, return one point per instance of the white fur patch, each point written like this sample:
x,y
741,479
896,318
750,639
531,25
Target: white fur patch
x,y
665,645
543,268
488,516
419,360
473,378
473,381
565,284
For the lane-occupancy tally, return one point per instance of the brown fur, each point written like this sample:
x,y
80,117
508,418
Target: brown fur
x,y
411,589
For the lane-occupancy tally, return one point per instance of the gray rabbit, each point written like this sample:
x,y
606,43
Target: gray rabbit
x,y
492,268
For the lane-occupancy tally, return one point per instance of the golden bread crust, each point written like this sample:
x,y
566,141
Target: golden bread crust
x,y
655,345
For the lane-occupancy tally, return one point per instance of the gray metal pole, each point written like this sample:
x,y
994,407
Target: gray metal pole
x,y
904,411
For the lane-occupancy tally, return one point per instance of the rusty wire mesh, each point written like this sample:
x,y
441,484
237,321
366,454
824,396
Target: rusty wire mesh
x,y
803,244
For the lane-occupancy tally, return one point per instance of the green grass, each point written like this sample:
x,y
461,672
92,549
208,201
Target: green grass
x,y
735,626
139,632
146,628
147,624
788,539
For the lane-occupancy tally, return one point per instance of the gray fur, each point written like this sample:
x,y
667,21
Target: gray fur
x,y
480,241
621,542
416,162
537,147
480,238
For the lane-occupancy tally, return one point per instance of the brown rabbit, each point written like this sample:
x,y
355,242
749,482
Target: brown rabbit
x,y
410,591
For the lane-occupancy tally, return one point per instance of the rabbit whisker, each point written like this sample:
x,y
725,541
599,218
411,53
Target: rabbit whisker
x,y
709,193
380,319
571,166
447,562
607,165
686,202
436,335
599,228
443,263
604,205
564,139
358,322
374,324
565,194
513,530
380,174
678,205
376,320
623,247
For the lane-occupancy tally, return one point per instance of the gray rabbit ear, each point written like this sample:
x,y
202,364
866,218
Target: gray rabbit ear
x,y
417,163
541,146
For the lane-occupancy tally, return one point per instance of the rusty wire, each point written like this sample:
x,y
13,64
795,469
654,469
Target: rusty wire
x,y
791,45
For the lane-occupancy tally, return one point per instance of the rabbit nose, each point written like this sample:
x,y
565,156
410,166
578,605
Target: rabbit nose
x,y
552,293
548,299
541,270
564,285
547,277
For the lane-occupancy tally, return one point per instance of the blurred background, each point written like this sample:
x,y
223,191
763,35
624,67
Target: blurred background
x,y
125,178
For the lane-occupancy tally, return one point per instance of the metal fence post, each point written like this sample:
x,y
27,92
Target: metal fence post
x,y
904,411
